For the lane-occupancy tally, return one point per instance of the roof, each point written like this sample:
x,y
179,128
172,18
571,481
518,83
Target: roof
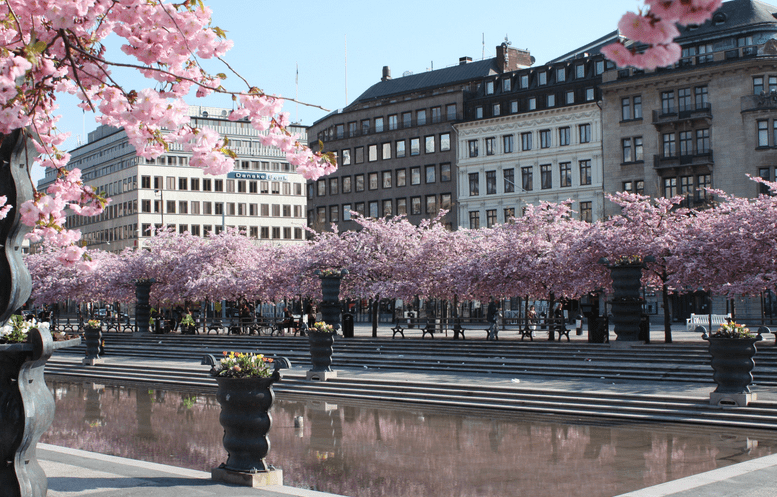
x,y
439,78
736,15
592,48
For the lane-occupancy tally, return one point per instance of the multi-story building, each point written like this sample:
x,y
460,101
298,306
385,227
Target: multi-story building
x,y
263,196
532,135
661,127
395,144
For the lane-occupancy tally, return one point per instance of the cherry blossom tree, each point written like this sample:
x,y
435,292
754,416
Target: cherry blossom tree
x,y
52,47
655,29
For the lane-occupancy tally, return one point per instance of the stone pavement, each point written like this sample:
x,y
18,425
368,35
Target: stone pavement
x,y
78,473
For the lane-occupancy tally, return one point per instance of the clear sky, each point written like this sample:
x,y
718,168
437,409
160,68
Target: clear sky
x,y
272,39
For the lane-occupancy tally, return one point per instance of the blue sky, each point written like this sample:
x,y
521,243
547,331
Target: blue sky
x,y
272,39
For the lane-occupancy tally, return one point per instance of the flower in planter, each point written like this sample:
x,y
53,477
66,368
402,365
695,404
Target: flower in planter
x,y
187,320
330,273
732,330
242,365
16,329
93,323
322,327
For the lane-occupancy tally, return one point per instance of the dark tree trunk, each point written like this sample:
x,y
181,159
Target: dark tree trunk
x,y
667,311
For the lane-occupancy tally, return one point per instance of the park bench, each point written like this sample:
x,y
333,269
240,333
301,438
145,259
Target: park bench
x,y
557,325
427,326
470,323
706,320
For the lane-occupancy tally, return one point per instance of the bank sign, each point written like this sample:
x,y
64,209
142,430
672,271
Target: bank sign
x,y
258,176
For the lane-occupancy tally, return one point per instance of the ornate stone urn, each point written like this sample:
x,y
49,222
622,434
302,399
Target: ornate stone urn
x,y
733,363
626,301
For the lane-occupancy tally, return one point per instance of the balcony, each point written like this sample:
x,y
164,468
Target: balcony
x,y
695,158
763,101
687,113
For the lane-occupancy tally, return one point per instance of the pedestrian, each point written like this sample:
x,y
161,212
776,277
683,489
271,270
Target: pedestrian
x,y
531,318
491,317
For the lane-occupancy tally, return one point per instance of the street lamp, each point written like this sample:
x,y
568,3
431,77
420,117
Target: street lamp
x,y
161,203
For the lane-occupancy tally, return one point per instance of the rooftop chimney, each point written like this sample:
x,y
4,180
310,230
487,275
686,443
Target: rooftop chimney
x,y
464,60
386,73
511,59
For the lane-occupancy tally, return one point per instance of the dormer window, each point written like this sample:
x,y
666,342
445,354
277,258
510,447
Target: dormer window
x,y
506,84
718,19
489,87
543,78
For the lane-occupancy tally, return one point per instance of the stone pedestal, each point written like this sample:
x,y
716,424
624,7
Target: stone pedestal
x,y
321,375
731,399
259,479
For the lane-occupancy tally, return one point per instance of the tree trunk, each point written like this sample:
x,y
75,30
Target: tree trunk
x,y
375,309
667,314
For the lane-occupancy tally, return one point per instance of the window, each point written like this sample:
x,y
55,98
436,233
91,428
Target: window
x,y
387,207
561,74
365,126
392,122
431,175
346,212
401,206
436,115
183,207
445,172
334,213
763,133
489,87
525,141
429,144
340,131
474,184
352,128
702,141
637,107
670,187
490,218
420,117
490,182
496,110
599,67
509,180
565,174
570,97
415,206
415,146
703,181
386,153
700,97
373,207
415,175
253,210
379,125
625,109
580,71
372,153
638,148
507,144
219,208
334,183
360,208
532,103
684,99
445,201
589,94
514,106
387,177
551,100
145,182
527,178
758,85
667,102
473,148
669,145
524,81
546,178
686,143
321,187
585,133
627,150
372,183
400,148
207,208
491,145
145,205
346,180
585,172
586,212
359,180
401,177
543,78
407,119
506,85
474,220
358,153
431,205
509,213
253,187
445,142
686,186
545,138
479,112
563,136
450,111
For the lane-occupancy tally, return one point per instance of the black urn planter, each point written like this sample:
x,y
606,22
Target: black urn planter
x,y
321,355
26,412
330,304
626,302
732,361
92,338
142,307
245,403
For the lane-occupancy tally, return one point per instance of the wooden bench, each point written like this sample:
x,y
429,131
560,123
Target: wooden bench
x,y
425,325
525,326
470,324
706,320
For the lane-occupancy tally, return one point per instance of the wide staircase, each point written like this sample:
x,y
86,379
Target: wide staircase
x,y
149,361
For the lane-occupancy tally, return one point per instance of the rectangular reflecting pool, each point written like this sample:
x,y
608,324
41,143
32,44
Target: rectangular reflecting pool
x,y
362,449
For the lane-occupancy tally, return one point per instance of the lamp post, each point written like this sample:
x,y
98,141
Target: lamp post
x,y
161,203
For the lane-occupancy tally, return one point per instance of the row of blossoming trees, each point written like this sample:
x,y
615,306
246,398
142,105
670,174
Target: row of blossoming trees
x,y
727,249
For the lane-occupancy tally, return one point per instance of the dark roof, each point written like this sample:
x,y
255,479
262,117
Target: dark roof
x,y
592,48
439,78
738,14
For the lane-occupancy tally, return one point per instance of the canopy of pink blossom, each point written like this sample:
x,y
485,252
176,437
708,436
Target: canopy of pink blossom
x,y
727,248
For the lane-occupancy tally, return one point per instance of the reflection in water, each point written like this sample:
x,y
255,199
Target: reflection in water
x,y
353,450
